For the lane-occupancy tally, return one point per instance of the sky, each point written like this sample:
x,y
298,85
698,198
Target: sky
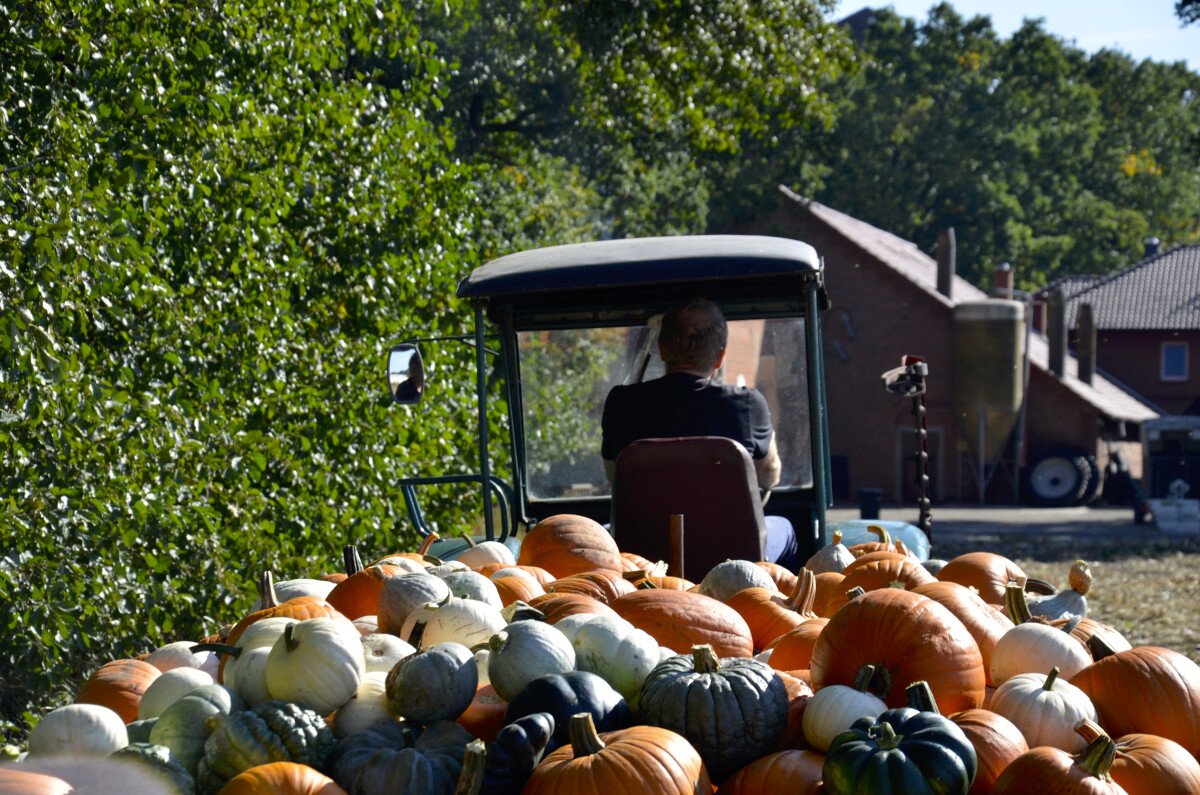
x,y
1140,28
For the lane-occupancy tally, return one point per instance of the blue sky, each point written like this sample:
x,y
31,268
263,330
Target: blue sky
x,y
1143,29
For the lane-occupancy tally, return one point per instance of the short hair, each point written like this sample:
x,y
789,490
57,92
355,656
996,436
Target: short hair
x,y
693,334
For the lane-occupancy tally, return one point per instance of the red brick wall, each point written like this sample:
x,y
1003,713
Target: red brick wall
x,y
1134,359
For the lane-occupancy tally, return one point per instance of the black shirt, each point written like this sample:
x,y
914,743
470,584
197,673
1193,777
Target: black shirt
x,y
682,404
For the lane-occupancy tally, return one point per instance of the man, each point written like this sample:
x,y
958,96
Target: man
x,y
685,402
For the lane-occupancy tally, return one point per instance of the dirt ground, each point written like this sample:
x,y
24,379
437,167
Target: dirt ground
x,y
1149,590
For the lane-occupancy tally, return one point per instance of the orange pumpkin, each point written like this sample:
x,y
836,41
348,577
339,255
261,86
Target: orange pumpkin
x,y
794,772
983,621
887,572
794,649
666,581
871,557
986,572
119,685
680,620
514,589
281,778
830,594
997,743
559,605
785,578
484,717
568,544
602,584
1055,772
358,594
799,691
769,615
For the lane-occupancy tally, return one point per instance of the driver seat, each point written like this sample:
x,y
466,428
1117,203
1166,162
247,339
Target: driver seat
x,y
708,479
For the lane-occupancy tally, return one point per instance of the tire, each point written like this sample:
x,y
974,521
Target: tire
x,y
1091,492
1059,479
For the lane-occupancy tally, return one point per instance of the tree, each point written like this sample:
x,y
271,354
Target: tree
x,y
1188,11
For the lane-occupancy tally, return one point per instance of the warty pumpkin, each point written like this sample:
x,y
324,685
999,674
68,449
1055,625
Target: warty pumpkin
x,y
395,756
244,739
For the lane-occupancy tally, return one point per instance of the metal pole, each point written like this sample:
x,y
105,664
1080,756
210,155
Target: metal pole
x,y
481,387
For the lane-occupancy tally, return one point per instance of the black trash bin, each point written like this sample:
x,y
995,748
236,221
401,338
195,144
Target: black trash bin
x,y
869,501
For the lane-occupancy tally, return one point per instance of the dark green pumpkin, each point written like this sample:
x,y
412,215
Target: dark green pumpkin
x,y
278,731
394,756
902,752
139,730
184,725
515,752
158,759
732,710
563,695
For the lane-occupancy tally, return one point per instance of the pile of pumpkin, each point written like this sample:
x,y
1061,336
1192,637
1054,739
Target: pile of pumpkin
x,y
579,668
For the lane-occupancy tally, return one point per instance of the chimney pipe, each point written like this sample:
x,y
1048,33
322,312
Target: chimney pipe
x,y
946,265
1152,244
1039,316
1004,280
1086,352
1056,330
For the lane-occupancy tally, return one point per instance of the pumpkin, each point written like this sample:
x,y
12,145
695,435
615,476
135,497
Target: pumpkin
x,y
514,754
159,761
680,620
884,544
421,558
184,726
637,759
523,651
1087,629
567,694
1149,690
769,614
381,651
1052,770
473,585
986,624
401,596
615,650
793,650
834,556
797,772
1145,764
517,589
559,605
830,594
368,705
1045,709
180,655
168,688
730,576
78,730
452,620
241,740
733,710
833,709
871,557
600,584
393,756
540,575
436,683
888,572
908,637
246,663
1032,646
568,544
317,663
667,581
291,589
799,693
484,716
60,775
997,743
784,578
986,572
358,594
118,685
481,553
281,778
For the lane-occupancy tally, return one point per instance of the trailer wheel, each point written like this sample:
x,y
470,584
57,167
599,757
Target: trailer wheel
x,y
1059,479
1091,492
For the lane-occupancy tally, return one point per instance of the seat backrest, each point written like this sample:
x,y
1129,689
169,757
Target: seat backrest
x,y
708,479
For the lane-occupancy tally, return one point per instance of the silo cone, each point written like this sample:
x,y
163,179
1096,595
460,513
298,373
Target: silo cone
x,y
989,373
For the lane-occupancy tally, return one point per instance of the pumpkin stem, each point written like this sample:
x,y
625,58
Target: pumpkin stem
x,y
837,537
418,631
1089,731
432,560
704,659
1051,678
466,536
219,648
805,593
1015,603
1099,648
882,532
645,584
266,591
426,544
902,549
884,735
855,592
498,641
920,697
1097,758
1072,622
521,611
289,642
1080,577
635,575
470,781
351,560
873,679
581,732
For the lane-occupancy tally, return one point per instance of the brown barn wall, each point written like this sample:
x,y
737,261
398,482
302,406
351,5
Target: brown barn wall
x,y
1133,358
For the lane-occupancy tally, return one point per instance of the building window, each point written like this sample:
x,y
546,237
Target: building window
x,y
1174,365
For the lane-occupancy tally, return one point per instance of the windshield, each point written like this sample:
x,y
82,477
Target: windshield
x,y
566,375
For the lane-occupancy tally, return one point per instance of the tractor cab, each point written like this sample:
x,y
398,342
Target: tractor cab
x,y
562,325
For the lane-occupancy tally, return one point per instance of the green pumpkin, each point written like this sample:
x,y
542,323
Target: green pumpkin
x,y
158,759
278,731
515,752
731,710
394,756
183,726
563,695
902,752
139,730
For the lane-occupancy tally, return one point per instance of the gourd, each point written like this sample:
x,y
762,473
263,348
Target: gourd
x,y
464,621
732,710
564,695
523,651
402,595
516,751
833,709
159,760
317,663
436,683
119,685
617,651
834,556
1069,602
78,730
638,759
394,756
568,544
1032,646
1045,709
168,688
368,705
381,651
184,726
278,731
473,585
730,576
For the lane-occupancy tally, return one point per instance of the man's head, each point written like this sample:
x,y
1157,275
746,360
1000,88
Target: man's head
x,y
693,336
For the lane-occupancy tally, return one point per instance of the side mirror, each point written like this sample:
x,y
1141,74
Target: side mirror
x,y
406,373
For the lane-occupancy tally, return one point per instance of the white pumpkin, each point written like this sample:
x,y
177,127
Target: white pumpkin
x,y
1032,647
1045,708
368,705
78,730
179,655
452,620
290,589
249,678
262,634
618,652
382,651
403,595
473,585
834,556
401,562
484,552
168,688
832,709
448,567
366,625
1066,603
730,576
514,571
523,651
570,625
318,663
